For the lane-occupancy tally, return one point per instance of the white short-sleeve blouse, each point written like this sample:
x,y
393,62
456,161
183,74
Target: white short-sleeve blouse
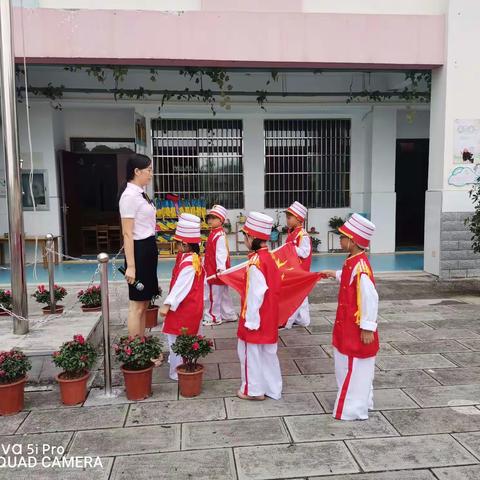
x,y
133,205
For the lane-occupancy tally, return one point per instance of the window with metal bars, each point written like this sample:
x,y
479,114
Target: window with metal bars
x,y
307,161
199,159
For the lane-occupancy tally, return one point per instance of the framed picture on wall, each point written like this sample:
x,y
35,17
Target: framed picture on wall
x,y
38,186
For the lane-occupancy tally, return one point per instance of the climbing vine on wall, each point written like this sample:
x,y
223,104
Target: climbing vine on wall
x,y
473,221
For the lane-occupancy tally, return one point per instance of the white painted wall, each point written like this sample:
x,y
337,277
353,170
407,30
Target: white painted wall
x,y
413,126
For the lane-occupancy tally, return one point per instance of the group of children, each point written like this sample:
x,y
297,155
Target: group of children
x,y
197,292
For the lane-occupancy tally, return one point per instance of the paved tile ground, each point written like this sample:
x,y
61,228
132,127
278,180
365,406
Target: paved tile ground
x,y
425,424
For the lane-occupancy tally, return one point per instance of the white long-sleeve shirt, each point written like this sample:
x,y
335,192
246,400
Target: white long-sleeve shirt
x,y
369,296
305,247
257,286
221,255
181,288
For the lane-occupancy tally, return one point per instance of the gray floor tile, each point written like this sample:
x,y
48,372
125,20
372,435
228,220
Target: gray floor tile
x,y
436,346
233,433
284,461
458,473
423,451
471,441
443,333
152,413
456,376
315,365
199,465
10,423
289,404
435,420
445,396
41,444
309,383
314,428
413,362
84,418
398,475
465,359
306,351
402,379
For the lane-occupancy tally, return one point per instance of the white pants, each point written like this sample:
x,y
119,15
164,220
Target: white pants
x,y
301,315
355,386
173,359
218,304
260,370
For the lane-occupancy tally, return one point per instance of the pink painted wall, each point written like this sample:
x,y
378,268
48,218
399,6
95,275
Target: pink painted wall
x,y
231,38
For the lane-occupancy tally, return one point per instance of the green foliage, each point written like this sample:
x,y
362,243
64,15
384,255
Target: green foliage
x,y
473,222
136,353
75,357
191,348
6,299
336,222
13,365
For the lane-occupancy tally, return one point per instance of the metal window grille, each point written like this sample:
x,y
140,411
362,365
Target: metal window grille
x,y
199,159
307,161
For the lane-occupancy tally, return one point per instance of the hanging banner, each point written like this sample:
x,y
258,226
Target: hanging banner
x,y
466,141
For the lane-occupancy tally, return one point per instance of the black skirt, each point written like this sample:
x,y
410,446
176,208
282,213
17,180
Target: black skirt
x,y
146,261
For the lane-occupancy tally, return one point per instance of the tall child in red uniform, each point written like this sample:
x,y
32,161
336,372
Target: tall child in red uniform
x,y
183,306
297,235
258,323
218,303
355,337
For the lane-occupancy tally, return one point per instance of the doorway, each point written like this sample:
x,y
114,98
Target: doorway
x,y
90,184
411,183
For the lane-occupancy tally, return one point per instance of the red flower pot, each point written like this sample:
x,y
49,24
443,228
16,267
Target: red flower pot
x,y
73,391
3,313
47,310
151,317
190,383
12,396
138,383
92,309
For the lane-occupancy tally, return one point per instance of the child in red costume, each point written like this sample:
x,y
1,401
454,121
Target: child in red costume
x,y
258,323
218,303
355,337
302,242
183,306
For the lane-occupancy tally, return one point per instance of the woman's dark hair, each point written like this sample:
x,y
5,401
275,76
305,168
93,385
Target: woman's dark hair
x,y
194,247
135,160
257,244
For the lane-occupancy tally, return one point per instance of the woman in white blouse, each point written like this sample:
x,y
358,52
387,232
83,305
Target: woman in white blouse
x,y
138,214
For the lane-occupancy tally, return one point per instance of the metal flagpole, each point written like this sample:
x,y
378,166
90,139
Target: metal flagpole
x,y
12,170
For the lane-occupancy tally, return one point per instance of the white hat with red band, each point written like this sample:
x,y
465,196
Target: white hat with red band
x,y
258,225
190,218
359,229
219,211
298,210
188,231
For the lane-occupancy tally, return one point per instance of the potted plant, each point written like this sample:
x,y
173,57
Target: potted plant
x,y
335,223
151,316
227,226
91,299
136,354
76,358
5,302
190,373
315,243
14,366
42,295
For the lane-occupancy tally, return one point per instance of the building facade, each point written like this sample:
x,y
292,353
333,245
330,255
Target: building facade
x,y
315,103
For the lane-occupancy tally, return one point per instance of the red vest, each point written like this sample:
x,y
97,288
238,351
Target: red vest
x,y
210,262
268,331
295,236
346,331
190,311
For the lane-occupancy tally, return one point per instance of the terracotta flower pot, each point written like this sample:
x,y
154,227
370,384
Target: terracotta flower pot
x,y
92,309
151,318
190,383
73,391
47,310
12,396
138,383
